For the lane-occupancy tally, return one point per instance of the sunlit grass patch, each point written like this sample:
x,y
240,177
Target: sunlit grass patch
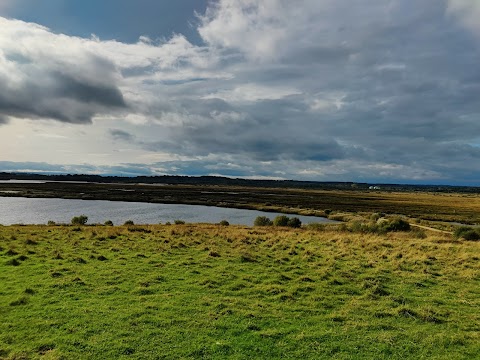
x,y
189,291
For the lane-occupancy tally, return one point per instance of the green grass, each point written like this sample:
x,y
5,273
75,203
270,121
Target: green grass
x,y
216,292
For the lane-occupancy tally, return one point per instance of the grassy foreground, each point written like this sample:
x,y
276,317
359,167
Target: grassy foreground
x,y
205,291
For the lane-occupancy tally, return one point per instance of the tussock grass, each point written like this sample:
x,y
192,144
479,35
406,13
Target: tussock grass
x,y
209,291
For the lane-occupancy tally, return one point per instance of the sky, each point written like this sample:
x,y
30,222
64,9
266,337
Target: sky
x,y
384,91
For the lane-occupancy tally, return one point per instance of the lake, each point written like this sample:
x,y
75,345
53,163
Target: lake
x,y
16,210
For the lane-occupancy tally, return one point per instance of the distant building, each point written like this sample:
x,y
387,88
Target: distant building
x,y
374,187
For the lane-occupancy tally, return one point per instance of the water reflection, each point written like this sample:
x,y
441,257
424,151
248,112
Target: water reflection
x,y
14,210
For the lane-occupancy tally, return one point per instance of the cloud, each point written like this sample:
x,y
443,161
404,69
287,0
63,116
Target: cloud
x,y
467,11
253,27
73,79
327,90
51,76
122,135
102,94
48,168
43,167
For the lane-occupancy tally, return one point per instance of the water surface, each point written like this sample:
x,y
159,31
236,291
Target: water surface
x,y
17,210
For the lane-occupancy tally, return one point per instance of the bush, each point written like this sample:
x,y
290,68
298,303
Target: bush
x,y
375,216
224,223
79,220
459,231
471,235
327,211
397,224
366,228
179,222
262,221
129,222
51,223
381,226
281,220
467,233
108,223
294,222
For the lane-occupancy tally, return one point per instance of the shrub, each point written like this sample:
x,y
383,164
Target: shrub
x,y
365,228
179,222
356,226
459,231
51,223
262,221
129,222
381,226
471,235
108,223
281,220
467,233
375,216
327,211
224,223
397,224
294,222
79,220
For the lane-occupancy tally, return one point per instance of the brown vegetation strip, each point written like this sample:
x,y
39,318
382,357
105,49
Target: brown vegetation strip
x,y
428,206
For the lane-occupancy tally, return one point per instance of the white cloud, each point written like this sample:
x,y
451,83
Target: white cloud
x,y
270,30
467,11
253,27
75,79
252,92
327,102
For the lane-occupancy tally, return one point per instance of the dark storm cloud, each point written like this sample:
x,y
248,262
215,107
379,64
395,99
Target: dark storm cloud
x,y
257,149
59,97
67,86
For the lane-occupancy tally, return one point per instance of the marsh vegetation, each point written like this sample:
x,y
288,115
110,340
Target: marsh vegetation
x,y
426,206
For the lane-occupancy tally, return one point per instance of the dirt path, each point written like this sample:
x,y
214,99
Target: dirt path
x,y
432,229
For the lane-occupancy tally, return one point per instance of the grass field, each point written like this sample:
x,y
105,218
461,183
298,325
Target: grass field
x,y
206,291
